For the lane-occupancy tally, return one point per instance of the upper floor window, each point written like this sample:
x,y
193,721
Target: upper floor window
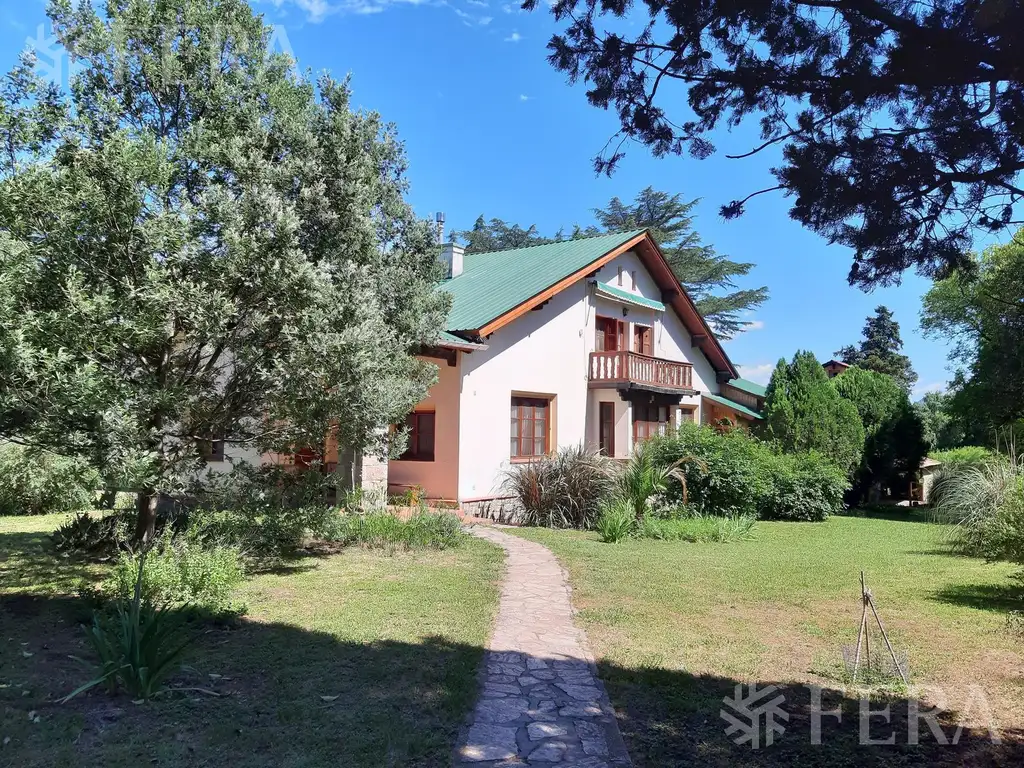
x,y
619,278
212,450
611,334
632,278
642,339
531,427
421,436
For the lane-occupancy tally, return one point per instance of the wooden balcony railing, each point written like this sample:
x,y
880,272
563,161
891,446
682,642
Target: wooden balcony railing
x,y
612,369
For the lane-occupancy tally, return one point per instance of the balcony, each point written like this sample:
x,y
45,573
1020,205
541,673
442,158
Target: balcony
x,y
631,370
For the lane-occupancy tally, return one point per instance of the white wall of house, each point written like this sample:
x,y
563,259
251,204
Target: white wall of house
x,y
547,352
544,352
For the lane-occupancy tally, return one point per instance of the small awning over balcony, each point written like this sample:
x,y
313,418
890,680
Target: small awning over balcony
x,y
626,297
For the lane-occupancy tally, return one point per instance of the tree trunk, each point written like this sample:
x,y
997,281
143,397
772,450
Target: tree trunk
x,y
145,525
108,498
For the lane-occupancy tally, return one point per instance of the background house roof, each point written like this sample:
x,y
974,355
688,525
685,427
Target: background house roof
x,y
748,386
496,282
498,286
738,407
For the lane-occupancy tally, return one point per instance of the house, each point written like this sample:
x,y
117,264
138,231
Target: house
x,y
834,367
588,341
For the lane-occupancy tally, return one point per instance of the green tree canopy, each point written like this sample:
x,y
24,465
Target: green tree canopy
x,y
879,349
981,311
198,243
804,412
893,126
943,426
894,442
496,235
706,275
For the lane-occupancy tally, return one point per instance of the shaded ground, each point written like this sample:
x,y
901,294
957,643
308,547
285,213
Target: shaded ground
x,y
675,626
357,659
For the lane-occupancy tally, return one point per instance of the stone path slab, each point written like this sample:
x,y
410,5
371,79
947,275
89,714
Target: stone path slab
x,y
541,702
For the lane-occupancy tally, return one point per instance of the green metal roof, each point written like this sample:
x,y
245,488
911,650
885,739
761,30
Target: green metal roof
x,y
734,405
451,338
493,283
749,386
631,298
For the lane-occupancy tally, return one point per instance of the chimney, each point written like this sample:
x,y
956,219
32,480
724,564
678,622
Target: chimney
x,y
439,224
451,255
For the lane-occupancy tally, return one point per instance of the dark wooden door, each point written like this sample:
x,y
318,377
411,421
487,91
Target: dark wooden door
x,y
606,437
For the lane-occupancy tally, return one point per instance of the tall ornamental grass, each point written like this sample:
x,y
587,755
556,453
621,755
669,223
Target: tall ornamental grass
x,y
565,490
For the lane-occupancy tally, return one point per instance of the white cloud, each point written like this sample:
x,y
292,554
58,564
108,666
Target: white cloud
x,y
477,3
508,8
523,97
759,373
755,325
515,37
483,21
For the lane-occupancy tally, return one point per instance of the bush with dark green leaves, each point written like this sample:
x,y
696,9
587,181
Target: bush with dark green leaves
x,y
735,474
804,486
40,483
103,536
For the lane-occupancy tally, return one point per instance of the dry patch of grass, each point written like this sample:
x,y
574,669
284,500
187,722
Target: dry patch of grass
x,y
352,659
675,626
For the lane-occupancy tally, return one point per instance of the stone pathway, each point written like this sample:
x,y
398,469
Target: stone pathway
x,y
541,702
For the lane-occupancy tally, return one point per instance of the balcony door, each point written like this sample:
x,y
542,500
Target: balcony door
x,y
642,339
611,335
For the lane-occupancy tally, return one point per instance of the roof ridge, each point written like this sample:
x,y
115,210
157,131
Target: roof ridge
x,y
559,242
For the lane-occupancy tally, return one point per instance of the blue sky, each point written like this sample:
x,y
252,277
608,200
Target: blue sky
x,y
490,127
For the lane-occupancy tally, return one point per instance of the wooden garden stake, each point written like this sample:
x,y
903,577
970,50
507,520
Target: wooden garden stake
x,y
863,636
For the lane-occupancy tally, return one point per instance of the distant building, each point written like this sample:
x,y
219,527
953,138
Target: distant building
x,y
834,367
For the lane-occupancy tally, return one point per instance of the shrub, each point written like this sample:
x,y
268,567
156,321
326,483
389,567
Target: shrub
x,y
802,487
562,491
38,483
88,535
180,572
266,512
730,477
616,521
383,530
733,475
968,455
697,528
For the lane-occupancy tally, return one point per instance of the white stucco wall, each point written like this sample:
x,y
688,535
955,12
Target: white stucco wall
x,y
547,352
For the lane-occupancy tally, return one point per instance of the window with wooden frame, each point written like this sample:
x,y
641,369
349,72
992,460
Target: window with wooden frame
x,y
421,436
642,339
649,420
687,413
610,334
530,428
212,450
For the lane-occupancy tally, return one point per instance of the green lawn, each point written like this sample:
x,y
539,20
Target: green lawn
x,y
396,639
675,626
